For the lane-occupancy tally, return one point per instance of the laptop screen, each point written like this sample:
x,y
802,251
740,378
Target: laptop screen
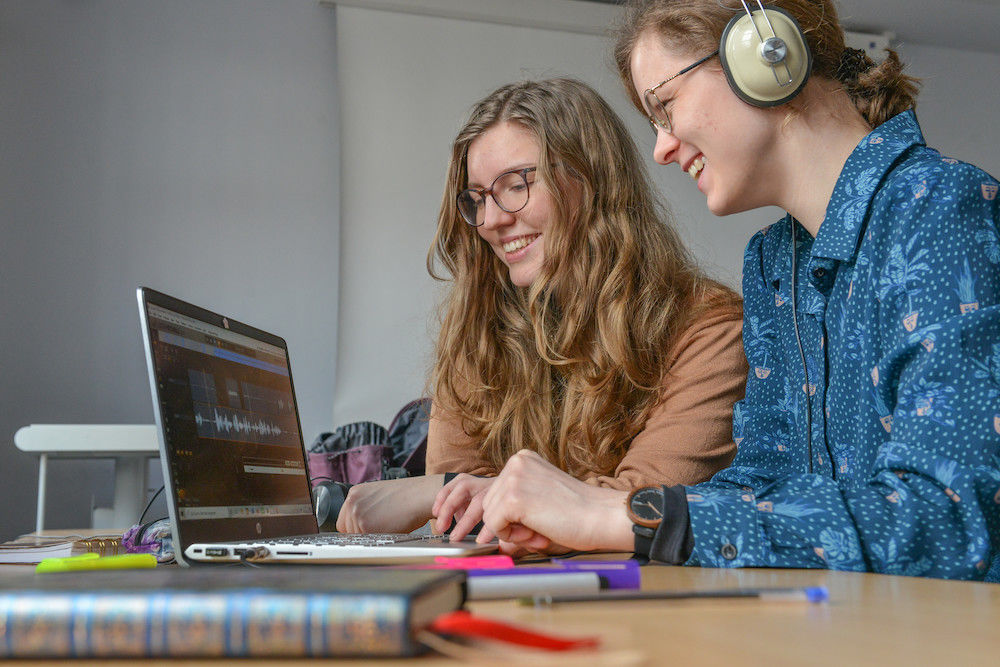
x,y
232,448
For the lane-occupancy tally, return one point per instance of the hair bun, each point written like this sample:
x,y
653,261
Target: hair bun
x,y
852,63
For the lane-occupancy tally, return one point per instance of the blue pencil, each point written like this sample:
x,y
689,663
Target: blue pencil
x,y
807,594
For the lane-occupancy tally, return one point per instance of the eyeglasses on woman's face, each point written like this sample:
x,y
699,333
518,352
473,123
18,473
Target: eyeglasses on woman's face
x,y
509,190
659,116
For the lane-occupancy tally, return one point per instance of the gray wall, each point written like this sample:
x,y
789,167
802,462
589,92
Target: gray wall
x,y
188,145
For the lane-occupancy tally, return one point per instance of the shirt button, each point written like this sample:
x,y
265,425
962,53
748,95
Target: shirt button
x,y
819,273
728,551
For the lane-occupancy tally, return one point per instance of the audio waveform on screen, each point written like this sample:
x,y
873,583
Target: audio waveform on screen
x,y
232,423
242,411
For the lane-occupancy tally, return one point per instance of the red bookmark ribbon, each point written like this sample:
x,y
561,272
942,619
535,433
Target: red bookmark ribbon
x,y
463,624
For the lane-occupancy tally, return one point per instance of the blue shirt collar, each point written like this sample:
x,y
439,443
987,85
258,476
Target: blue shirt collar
x,y
858,182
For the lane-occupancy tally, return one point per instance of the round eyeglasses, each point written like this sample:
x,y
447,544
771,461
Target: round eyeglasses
x,y
655,109
509,190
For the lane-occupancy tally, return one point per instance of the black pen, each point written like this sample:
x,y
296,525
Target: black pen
x,y
807,594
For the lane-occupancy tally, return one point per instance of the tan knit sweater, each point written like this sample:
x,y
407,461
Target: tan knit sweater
x,y
688,436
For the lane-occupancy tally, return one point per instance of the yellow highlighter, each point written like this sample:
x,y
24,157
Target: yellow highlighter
x,y
92,561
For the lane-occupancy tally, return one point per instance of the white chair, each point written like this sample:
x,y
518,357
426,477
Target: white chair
x,y
130,445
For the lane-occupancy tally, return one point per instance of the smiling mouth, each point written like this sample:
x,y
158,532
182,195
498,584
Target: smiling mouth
x,y
519,242
694,171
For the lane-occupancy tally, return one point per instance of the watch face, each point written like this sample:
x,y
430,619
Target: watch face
x,y
646,506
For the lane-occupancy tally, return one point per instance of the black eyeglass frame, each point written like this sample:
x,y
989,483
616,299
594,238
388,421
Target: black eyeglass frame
x,y
653,103
482,192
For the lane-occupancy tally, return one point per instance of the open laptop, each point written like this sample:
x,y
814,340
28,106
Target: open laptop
x,y
231,448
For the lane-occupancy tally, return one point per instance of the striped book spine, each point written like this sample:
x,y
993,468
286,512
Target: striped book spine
x,y
245,623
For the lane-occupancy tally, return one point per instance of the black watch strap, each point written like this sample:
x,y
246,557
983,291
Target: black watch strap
x,y
643,541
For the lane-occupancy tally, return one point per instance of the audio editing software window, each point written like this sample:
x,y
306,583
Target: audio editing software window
x,y
229,414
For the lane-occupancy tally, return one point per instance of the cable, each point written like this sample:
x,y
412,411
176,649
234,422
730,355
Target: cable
x,y
150,504
248,555
245,555
798,342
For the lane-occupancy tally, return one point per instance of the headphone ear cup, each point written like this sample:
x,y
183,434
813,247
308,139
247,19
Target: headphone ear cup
x,y
754,79
328,498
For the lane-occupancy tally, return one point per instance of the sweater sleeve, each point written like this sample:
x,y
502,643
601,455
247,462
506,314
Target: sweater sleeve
x,y
688,436
450,449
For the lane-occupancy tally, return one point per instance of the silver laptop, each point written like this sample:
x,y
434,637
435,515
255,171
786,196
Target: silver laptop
x,y
231,448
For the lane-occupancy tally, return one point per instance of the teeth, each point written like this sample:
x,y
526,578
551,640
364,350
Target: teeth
x,y
695,169
518,243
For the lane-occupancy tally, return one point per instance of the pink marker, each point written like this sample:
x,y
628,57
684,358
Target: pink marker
x,y
474,562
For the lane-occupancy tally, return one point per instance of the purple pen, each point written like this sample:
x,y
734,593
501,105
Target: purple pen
x,y
617,574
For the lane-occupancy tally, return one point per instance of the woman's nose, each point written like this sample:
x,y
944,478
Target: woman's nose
x,y
493,215
665,149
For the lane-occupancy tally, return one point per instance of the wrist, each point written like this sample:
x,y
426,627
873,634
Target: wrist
x,y
624,538
613,531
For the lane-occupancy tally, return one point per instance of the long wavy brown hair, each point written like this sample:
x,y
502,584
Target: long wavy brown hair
x,y
571,366
694,27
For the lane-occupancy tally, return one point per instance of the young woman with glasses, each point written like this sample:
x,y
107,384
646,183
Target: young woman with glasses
x,y
869,438
576,325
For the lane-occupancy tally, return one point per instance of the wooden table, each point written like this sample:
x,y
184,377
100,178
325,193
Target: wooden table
x,y
870,619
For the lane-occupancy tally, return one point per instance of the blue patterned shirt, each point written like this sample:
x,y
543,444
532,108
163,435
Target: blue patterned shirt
x,y
898,301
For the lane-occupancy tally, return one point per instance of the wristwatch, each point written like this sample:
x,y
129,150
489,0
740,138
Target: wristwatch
x,y
645,509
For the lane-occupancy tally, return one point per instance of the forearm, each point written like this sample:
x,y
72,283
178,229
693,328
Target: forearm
x,y
397,505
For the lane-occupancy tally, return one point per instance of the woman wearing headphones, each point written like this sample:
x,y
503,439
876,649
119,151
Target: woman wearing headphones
x,y
576,325
869,438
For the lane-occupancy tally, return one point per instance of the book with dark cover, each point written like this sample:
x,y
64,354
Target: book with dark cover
x,y
273,611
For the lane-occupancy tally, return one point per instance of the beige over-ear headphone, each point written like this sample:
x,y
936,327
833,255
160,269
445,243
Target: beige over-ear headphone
x,y
765,56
